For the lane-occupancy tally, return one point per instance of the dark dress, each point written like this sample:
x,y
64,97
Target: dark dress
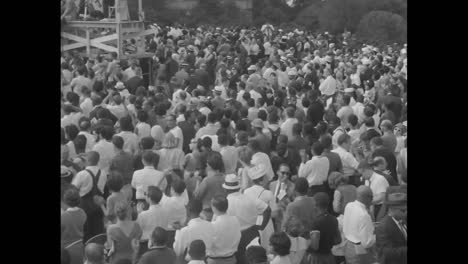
x,y
122,242
329,236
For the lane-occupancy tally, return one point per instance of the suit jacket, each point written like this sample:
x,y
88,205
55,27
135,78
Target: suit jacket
x,y
390,242
289,193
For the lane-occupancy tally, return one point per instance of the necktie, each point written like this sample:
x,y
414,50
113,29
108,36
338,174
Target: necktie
x,y
403,229
278,188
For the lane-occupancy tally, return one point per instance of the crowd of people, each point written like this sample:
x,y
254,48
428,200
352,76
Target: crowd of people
x,y
249,147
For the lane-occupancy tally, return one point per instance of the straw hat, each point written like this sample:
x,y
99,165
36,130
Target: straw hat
x,y
231,182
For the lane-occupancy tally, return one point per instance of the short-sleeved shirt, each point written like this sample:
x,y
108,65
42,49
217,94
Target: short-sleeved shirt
x,y
245,209
378,184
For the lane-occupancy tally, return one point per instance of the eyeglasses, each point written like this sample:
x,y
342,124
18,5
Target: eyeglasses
x,y
285,172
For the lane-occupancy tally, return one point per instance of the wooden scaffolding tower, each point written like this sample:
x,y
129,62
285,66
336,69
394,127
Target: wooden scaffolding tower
x,y
112,41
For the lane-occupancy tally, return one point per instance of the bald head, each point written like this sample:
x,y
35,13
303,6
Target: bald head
x,y
364,195
93,158
94,253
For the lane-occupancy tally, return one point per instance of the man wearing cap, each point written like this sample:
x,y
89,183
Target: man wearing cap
x,y
254,77
358,228
391,233
218,102
182,75
247,211
257,125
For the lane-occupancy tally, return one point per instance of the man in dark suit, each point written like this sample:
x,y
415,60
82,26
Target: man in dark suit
x,y
391,235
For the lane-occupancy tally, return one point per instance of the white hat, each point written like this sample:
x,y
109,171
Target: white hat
x,y
257,171
65,172
403,51
231,182
292,72
120,85
365,61
349,90
218,89
252,68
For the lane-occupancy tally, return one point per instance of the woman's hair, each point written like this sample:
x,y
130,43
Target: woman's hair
x,y
215,161
280,243
336,179
115,181
245,154
71,131
256,254
121,210
80,144
293,226
71,196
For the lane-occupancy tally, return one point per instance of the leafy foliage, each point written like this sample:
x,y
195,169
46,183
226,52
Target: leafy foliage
x,y
382,27
326,15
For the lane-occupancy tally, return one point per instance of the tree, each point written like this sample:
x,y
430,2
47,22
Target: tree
x,y
382,27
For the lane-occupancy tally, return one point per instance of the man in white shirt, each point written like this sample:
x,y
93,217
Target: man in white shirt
x,y
175,206
71,117
175,130
227,233
328,86
358,228
286,127
84,181
250,213
197,228
315,170
377,183
155,216
87,104
228,153
80,81
85,127
105,148
130,138
349,162
148,176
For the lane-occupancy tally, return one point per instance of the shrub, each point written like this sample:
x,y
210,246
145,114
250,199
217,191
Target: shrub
x,y
382,27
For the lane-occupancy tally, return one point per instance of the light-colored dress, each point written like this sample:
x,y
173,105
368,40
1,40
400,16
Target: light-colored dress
x,y
258,192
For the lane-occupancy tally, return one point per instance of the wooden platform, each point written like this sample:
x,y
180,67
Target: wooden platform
x,y
78,34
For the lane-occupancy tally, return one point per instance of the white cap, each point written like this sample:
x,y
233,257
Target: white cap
x,y
365,61
120,85
218,89
252,68
292,72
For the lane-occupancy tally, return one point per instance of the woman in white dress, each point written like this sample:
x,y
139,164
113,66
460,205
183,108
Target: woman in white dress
x,y
256,191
